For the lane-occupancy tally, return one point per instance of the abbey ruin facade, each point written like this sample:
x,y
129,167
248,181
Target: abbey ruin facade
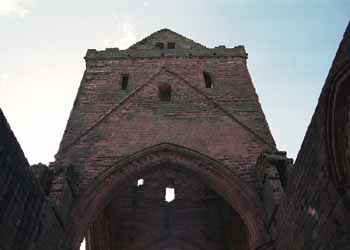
x,y
167,147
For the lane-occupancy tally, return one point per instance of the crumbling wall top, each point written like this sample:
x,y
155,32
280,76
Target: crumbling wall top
x,y
166,43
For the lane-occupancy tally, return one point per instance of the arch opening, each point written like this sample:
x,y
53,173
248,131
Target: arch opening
x,y
145,219
217,179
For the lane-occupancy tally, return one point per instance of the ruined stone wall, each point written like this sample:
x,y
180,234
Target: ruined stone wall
x,y
315,213
307,206
100,90
27,219
107,123
111,122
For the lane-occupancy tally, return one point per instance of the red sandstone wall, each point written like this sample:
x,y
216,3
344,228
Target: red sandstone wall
x,y
225,122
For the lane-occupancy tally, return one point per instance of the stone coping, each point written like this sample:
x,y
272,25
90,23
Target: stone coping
x,y
115,53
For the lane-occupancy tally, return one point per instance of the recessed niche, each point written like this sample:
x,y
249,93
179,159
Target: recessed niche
x,y
164,92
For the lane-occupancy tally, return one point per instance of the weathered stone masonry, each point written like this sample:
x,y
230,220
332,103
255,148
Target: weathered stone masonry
x,y
28,220
315,211
177,115
119,111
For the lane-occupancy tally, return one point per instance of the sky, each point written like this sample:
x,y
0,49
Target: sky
x,y
291,45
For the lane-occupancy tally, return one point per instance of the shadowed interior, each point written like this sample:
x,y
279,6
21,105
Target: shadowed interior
x,y
139,217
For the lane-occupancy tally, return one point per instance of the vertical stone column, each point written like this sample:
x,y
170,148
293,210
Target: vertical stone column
x,y
272,174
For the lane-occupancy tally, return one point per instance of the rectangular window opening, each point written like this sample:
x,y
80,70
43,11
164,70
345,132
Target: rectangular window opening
x,y
164,92
171,45
207,80
169,194
160,45
140,182
125,79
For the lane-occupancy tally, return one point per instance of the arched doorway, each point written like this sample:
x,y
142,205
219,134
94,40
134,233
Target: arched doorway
x,y
211,202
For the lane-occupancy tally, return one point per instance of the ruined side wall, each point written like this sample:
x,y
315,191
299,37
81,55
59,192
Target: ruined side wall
x,y
314,214
27,220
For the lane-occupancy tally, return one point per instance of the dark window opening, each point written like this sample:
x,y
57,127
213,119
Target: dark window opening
x,y
164,92
125,79
171,45
207,80
160,45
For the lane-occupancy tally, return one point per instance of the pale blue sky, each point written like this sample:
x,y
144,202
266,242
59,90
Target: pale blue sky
x,y
291,45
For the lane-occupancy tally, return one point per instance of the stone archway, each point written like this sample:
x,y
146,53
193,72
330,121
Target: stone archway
x,y
216,175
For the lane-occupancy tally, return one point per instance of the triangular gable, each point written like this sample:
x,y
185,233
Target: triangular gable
x,y
193,93
166,36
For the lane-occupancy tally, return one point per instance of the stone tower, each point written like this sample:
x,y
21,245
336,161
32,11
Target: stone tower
x,y
167,148
167,115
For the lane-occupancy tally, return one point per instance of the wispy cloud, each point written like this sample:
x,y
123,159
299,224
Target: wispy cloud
x,y
125,36
13,7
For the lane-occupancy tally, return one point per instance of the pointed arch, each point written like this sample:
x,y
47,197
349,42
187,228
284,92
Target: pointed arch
x,y
213,173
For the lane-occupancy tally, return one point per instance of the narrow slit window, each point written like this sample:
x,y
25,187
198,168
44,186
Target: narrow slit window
x,y
125,80
207,80
171,45
164,92
160,45
169,194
